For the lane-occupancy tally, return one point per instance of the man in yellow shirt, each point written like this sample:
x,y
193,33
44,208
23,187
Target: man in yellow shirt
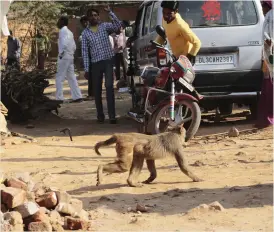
x,y
181,38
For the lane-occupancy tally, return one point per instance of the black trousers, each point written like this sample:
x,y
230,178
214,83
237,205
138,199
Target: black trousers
x,y
98,69
119,60
13,62
90,86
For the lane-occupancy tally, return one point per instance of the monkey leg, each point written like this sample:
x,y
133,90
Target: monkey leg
x,y
136,167
184,168
115,167
152,169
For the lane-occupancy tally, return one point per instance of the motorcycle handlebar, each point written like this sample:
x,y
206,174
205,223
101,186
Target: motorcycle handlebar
x,y
161,46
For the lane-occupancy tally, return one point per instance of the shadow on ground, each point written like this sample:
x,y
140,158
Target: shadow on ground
x,y
181,200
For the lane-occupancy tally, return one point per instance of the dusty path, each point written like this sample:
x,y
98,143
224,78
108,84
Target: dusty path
x,y
71,166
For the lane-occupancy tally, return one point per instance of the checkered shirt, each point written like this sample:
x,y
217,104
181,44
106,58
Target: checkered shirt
x,y
98,43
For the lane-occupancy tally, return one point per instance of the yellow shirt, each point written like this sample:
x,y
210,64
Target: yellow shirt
x,y
94,28
181,38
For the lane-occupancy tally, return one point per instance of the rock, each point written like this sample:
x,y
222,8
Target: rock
x,y
84,215
48,200
54,217
72,208
16,183
240,154
40,226
57,227
203,206
216,206
77,205
141,208
133,220
233,132
13,218
198,163
27,209
75,223
13,197
129,209
63,197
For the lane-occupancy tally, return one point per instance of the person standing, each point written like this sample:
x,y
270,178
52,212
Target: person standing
x,y
96,37
85,23
43,47
182,39
14,51
119,46
65,63
265,107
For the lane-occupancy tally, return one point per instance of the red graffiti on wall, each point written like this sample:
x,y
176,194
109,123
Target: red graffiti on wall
x,y
212,10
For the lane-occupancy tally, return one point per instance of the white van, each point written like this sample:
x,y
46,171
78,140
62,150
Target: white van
x,y
228,65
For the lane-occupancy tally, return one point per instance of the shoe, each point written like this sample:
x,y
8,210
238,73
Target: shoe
x,y
113,121
100,120
77,100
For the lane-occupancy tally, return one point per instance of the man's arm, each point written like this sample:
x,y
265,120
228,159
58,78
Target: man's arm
x,y
186,32
63,38
85,52
115,25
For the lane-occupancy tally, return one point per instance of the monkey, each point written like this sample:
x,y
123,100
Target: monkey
x,y
124,150
125,144
157,147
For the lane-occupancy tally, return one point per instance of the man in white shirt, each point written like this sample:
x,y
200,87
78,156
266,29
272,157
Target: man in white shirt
x,y
65,64
119,46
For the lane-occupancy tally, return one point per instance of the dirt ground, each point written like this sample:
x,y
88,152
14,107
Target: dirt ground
x,y
237,173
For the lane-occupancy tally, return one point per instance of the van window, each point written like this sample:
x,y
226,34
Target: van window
x,y
147,19
213,13
154,16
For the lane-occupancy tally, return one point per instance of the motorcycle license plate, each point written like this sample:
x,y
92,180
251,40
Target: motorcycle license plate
x,y
187,85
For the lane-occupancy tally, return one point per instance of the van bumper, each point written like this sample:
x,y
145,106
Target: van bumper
x,y
233,83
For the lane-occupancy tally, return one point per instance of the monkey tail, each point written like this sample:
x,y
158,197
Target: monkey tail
x,y
105,143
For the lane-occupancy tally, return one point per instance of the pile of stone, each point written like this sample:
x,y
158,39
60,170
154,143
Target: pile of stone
x,y
26,206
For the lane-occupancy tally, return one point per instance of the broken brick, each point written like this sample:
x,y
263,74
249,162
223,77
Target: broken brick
x,y
13,197
27,209
16,183
40,226
48,200
75,223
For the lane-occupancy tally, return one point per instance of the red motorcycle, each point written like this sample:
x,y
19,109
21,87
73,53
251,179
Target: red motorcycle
x,y
165,98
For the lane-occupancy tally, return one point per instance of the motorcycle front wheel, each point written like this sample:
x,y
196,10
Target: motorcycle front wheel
x,y
187,112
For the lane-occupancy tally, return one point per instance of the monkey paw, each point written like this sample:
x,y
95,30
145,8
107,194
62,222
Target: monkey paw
x,y
131,184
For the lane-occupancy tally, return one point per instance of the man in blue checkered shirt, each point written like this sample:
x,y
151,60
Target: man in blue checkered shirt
x,y
95,40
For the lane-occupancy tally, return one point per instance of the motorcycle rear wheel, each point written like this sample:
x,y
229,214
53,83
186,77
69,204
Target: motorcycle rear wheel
x,y
191,118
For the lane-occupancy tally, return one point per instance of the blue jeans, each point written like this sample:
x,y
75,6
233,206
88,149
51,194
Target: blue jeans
x,y
98,69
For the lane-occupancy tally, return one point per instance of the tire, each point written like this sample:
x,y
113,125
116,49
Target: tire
x,y
191,127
